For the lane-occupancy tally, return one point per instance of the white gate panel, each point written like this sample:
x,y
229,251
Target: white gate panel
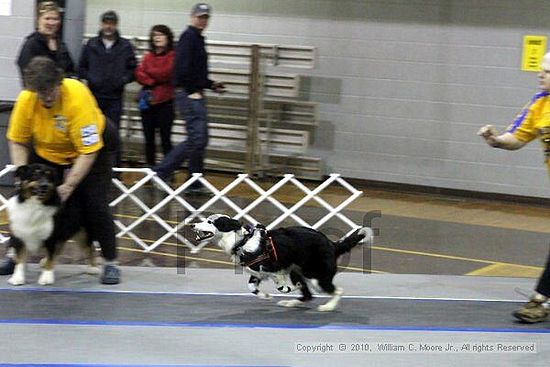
x,y
174,198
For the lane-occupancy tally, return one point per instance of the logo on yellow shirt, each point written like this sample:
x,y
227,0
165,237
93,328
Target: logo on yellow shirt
x,y
89,135
60,122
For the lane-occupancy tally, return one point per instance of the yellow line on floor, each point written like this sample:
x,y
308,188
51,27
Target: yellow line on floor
x,y
222,262
175,244
362,270
450,257
221,251
410,252
176,256
431,254
418,253
146,219
484,270
510,270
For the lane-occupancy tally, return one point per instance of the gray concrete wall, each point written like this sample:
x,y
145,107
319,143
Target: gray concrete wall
x,y
13,30
403,85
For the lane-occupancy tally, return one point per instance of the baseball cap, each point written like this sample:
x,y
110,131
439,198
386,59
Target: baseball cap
x,y
201,9
109,16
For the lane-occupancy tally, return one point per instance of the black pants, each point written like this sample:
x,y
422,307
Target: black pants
x,y
543,286
112,109
90,199
159,116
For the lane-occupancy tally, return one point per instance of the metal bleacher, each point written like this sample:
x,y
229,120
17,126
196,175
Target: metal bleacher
x,y
284,123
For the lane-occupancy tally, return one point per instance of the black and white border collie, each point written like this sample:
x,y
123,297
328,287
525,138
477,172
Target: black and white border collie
x,y
38,220
303,255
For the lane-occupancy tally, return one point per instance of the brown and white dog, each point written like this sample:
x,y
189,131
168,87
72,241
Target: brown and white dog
x,y
37,219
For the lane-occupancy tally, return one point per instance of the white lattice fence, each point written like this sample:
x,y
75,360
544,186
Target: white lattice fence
x,y
173,198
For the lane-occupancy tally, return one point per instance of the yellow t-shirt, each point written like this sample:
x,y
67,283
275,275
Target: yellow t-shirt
x,y
73,126
534,122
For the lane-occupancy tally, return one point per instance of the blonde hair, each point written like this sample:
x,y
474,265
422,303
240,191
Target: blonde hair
x,y
47,6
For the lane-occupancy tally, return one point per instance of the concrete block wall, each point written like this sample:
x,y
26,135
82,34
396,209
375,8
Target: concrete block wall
x,y
403,85
13,30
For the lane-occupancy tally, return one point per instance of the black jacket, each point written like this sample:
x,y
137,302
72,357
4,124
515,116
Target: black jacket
x,y
191,63
36,44
107,70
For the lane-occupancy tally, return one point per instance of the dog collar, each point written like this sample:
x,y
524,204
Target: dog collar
x,y
241,243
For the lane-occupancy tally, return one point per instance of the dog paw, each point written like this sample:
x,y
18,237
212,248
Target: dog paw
x,y
291,303
46,278
264,296
333,302
92,270
327,307
16,280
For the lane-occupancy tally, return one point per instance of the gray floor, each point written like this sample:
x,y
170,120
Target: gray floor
x,y
158,316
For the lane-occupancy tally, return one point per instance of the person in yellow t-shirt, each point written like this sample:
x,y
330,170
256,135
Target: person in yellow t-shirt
x,y
61,119
532,123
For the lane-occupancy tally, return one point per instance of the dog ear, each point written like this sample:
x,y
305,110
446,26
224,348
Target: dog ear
x,y
225,224
22,172
54,176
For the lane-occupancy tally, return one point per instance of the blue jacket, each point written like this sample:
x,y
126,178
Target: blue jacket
x,y
191,63
107,70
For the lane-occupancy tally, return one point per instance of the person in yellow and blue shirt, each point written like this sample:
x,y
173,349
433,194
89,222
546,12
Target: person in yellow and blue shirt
x,y
532,123
61,119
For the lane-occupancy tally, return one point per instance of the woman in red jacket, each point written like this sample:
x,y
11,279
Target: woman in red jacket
x,y
155,74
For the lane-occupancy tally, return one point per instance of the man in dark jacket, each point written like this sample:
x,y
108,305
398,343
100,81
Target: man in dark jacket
x,y
190,80
108,62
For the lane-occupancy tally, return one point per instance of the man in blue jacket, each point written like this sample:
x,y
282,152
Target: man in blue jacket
x,y
190,80
108,62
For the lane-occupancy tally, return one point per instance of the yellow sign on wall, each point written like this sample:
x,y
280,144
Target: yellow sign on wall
x,y
534,48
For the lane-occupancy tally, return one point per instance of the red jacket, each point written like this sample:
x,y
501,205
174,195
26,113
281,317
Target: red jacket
x,y
155,70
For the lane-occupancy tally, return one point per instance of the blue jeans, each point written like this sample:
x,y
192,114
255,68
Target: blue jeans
x,y
193,112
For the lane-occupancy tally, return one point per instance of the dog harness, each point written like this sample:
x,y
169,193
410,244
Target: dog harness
x,y
269,253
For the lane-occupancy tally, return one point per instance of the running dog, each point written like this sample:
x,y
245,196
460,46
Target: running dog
x,y
299,253
37,219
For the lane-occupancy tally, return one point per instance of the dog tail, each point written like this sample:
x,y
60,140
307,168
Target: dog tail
x,y
360,236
